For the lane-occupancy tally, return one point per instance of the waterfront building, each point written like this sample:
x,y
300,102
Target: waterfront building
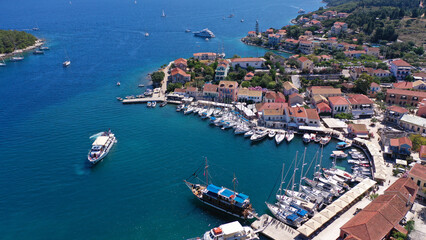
x,y
252,34
306,47
374,89
210,56
358,130
382,216
323,109
404,97
274,39
180,91
210,92
295,99
274,118
339,104
248,76
400,69
295,116
291,44
312,118
261,106
272,96
228,91
222,70
246,62
248,95
325,91
418,175
179,76
192,92
361,105
394,113
181,63
289,88
413,123
305,64
400,147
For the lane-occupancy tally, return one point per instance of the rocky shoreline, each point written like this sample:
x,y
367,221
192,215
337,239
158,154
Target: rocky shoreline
x,y
38,43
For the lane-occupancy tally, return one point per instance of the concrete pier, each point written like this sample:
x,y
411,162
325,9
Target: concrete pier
x,y
273,228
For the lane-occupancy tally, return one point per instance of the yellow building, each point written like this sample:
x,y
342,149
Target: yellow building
x,y
418,175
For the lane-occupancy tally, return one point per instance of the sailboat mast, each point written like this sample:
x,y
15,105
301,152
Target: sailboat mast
x,y
206,172
282,180
234,180
301,173
294,173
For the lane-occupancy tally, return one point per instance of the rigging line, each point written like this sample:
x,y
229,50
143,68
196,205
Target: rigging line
x,y
285,177
196,171
272,190
310,165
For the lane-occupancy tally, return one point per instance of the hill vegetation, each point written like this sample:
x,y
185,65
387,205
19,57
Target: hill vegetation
x,y
11,40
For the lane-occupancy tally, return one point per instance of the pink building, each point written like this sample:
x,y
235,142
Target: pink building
x,y
228,91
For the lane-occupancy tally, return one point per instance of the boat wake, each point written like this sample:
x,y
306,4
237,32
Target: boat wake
x,y
96,135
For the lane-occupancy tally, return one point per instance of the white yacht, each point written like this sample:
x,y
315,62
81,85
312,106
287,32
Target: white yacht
x,y
153,104
205,33
306,137
101,146
66,63
271,134
279,137
231,231
289,136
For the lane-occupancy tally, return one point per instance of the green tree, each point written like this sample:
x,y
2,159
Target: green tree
x,y
347,116
417,141
362,84
419,50
271,85
245,84
157,77
172,86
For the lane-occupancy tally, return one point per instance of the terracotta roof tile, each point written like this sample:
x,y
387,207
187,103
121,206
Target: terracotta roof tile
x,y
419,170
401,63
338,100
407,92
355,99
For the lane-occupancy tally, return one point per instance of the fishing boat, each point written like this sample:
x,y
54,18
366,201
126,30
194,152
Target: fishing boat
x,y
163,14
101,146
38,52
221,198
289,136
153,104
339,155
231,231
271,134
279,137
306,138
163,104
119,99
149,104
325,140
66,63
205,33
343,145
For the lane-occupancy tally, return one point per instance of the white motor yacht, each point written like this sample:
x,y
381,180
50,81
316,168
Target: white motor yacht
x,y
306,138
289,136
101,147
279,137
231,231
271,134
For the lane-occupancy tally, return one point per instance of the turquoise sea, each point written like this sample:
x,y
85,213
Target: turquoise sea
x,y
48,113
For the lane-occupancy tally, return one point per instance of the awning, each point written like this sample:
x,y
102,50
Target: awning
x,y
313,224
305,230
327,213
401,162
320,218
310,128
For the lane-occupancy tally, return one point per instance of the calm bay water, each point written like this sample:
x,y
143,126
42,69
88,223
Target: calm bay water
x,y
47,114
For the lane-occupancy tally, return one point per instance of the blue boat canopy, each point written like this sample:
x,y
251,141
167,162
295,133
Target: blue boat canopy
x,y
227,193
213,118
238,199
213,188
292,217
243,196
302,212
341,143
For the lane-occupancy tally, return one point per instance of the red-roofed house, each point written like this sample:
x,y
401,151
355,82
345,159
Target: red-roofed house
x,y
210,92
400,147
394,113
361,105
373,51
421,112
251,34
402,85
269,31
181,63
179,76
228,91
245,62
205,56
382,216
400,69
274,39
289,88
418,174
272,96
354,53
374,89
339,104
296,116
290,43
282,32
248,76
315,23
192,92
295,99
323,108
305,64
261,106
338,27
312,118
422,153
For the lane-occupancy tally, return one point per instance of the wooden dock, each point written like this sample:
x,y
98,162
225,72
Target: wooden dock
x,y
273,228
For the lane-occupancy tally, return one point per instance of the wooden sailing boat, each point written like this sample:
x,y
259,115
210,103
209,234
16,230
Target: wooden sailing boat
x,y
221,198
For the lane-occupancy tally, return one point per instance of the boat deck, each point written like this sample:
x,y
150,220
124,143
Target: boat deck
x,y
273,228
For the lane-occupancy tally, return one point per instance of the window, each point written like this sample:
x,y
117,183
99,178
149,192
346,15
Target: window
x,y
418,182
